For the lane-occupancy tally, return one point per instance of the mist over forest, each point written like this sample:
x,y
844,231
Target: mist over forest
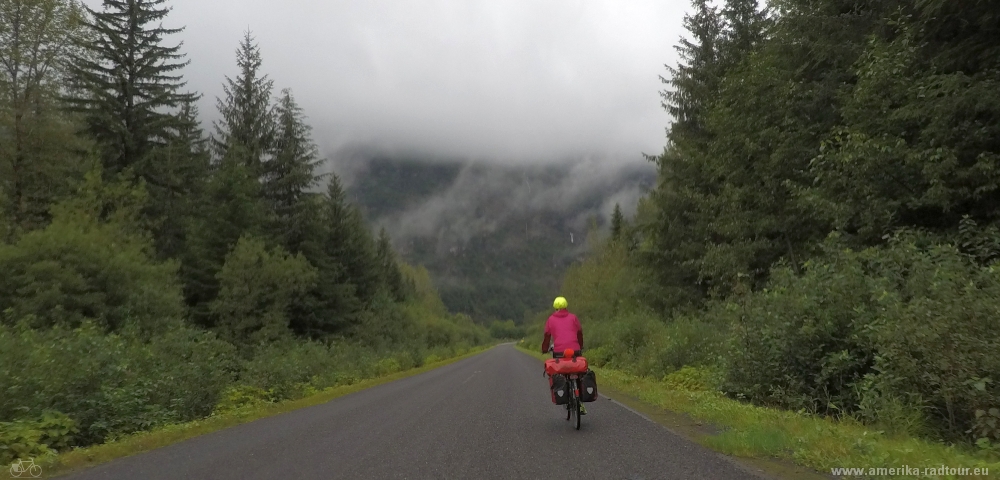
x,y
496,237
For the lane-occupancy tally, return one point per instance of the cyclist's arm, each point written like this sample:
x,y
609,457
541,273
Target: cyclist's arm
x,y
547,339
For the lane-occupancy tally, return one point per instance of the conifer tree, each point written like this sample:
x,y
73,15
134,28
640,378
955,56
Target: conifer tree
x,y
677,234
230,209
695,80
350,243
617,222
246,130
126,81
745,29
176,175
333,305
289,174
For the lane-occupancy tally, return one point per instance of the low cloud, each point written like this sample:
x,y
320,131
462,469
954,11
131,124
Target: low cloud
x,y
513,81
486,197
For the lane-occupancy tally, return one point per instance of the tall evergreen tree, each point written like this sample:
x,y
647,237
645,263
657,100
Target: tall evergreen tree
x,y
230,209
677,234
289,174
247,127
345,272
350,242
177,175
746,27
617,222
695,81
127,83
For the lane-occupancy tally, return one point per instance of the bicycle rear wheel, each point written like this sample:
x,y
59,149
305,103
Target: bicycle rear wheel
x,y
576,409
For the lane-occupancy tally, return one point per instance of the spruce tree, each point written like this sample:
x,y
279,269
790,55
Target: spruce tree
x,y
246,130
331,246
746,25
289,174
126,81
695,81
677,234
350,243
176,174
229,209
617,222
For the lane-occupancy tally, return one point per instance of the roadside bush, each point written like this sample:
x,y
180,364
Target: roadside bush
x,y
285,368
802,343
641,344
238,397
47,434
903,334
111,384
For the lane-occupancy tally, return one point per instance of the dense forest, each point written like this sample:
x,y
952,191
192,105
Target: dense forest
x,y
824,233
153,273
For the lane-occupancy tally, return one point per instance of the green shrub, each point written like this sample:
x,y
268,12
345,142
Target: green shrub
x,y
111,384
386,366
695,379
238,397
903,334
285,368
642,344
49,433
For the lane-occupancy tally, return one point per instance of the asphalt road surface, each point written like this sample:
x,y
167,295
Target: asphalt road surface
x,y
485,417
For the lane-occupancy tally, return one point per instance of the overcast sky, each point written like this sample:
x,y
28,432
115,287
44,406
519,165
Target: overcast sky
x,y
488,79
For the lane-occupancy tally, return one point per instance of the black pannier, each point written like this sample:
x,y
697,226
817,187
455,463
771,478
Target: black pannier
x,y
560,389
588,387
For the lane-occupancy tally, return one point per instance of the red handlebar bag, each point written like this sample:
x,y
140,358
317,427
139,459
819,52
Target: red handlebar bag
x,y
562,366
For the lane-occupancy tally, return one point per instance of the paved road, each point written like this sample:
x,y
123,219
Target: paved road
x,y
485,417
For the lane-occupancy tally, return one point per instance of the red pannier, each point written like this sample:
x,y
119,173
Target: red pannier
x,y
563,366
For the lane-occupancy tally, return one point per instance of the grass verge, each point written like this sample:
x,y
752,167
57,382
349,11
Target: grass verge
x,y
82,458
752,432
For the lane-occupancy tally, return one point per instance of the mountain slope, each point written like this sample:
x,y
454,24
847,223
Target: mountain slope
x,y
496,238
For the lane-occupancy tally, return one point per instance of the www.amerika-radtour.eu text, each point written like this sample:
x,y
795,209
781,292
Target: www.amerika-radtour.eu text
x,y
912,471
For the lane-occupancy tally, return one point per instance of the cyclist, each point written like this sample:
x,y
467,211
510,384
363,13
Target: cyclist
x,y
563,330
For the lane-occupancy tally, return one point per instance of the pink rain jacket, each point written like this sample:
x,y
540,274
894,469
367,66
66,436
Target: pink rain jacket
x,y
563,328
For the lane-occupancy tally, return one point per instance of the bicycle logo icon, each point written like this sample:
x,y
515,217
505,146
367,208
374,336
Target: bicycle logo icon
x,y
25,469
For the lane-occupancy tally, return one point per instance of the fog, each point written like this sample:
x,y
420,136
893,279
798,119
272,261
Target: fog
x,y
497,81
485,197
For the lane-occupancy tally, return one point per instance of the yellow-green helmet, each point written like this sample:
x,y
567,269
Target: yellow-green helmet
x,y
560,303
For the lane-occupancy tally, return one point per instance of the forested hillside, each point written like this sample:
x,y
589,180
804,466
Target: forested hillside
x,y
824,232
496,238
154,273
